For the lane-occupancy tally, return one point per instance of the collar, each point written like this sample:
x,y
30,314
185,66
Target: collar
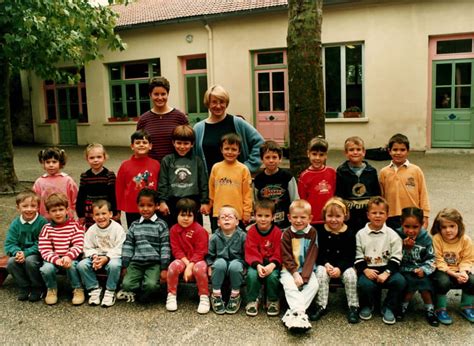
x,y
62,174
23,221
265,232
406,164
305,230
341,230
382,230
152,219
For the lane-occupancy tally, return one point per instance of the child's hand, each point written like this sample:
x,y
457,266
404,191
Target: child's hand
x,y
425,221
419,272
261,271
408,243
269,268
462,277
20,257
371,274
298,279
164,208
188,272
205,209
164,275
99,261
67,262
209,271
334,273
381,278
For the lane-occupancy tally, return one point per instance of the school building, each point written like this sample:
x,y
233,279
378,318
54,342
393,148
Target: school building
x,y
402,66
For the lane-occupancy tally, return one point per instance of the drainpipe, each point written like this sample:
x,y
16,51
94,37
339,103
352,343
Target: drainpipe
x,y
210,55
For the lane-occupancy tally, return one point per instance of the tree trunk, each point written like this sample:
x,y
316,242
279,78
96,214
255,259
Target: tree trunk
x,y
8,179
305,78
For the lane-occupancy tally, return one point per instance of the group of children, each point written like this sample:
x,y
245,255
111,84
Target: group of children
x,y
347,225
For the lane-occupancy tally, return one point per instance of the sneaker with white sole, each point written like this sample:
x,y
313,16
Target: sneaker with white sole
x,y
297,322
171,302
388,316
204,304
126,295
251,309
273,308
109,299
94,296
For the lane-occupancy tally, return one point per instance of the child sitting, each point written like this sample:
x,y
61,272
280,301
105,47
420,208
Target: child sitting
x,y
102,249
336,242
226,259
21,244
60,244
189,245
146,251
299,252
454,260
377,261
263,256
417,262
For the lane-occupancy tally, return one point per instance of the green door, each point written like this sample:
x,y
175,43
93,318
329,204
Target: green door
x,y
453,105
68,107
196,86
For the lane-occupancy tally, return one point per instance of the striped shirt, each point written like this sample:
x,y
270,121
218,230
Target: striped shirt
x,y
57,241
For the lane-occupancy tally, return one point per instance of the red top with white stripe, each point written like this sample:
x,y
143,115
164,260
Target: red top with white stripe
x,y
57,241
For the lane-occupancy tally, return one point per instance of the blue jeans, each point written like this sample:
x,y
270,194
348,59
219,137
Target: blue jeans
x,y
369,289
49,271
221,268
89,277
27,274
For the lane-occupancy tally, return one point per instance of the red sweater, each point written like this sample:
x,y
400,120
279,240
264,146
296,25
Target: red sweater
x,y
263,248
317,187
134,175
191,242
57,241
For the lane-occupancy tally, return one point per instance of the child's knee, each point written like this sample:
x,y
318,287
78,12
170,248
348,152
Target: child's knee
x,y
236,266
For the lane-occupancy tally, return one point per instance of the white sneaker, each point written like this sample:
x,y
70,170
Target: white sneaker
x,y
171,302
125,295
94,296
109,299
204,304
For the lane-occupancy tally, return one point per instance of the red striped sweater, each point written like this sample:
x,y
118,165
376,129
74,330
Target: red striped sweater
x,y
57,241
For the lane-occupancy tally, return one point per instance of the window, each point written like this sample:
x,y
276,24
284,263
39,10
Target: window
x,y
195,80
454,46
343,78
129,87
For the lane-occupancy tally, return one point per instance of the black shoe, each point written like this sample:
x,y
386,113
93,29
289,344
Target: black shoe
x,y
353,315
431,318
318,312
35,295
23,294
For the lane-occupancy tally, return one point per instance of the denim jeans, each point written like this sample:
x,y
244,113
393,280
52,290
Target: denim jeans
x,y
233,269
49,271
26,274
89,277
368,290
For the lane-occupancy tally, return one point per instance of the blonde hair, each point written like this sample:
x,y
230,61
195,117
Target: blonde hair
x,y
57,199
25,194
234,211
354,139
300,204
448,214
377,200
217,91
95,146
335,202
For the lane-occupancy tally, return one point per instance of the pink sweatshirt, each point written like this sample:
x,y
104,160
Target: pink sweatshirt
x,y
60,182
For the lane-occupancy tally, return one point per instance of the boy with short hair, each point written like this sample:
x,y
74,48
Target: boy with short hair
x,y
377,261
146,251
356,182
230,181
317,183
102,249
226,259
134,174
275,183
299,251
60,244
21,244
403,183
263,256
183,175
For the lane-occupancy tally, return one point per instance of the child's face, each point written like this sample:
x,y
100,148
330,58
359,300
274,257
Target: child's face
x,y
449,230
96,158
51,166
230,152
334,218
58,214
355,153
141,147
299,218
411,227
264,218
159,97
182,147
28,208
185,219
317,159
146,207
399,153
227,220
271,160
377,215
102,216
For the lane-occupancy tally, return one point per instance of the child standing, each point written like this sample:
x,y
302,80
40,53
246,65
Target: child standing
x,y
96,183
230,181
226,259
60,244
403,183
189,245
134,174
53,160
183,174
356,182
417,262
299,251
146,251
275,183
377,261
317,183
336,242
454,260
263,256
21,244
102,249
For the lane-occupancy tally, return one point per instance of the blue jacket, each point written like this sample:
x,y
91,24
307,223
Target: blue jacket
x,y
420,256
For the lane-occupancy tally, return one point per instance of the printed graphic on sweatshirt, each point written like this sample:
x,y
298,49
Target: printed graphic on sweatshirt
x,y
225,181
183,178
450,258
274,192
358,190
104,242
323,187
410,183
142,180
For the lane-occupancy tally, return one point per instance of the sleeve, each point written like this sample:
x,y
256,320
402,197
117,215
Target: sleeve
x,y
90,247
424,200
77,242
37,226
140,124
111,179
253,140
339,184
247,194
359,263
12,245
276,256
164,181
203,181
302,189
201,245
120,188
119,237
72,192
440,263
253,257
45,246
287,254
428,259
293,189
165,250
396,249
128,246
81,197
175,241
212,252
211,186
466,255
382,181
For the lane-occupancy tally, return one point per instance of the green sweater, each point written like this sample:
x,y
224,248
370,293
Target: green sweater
x,y
24,236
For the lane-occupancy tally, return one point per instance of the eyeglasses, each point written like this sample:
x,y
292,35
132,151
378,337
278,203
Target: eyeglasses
x,y
227,216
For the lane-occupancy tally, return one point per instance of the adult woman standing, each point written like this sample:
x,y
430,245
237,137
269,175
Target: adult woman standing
x,y
161,120
219,123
